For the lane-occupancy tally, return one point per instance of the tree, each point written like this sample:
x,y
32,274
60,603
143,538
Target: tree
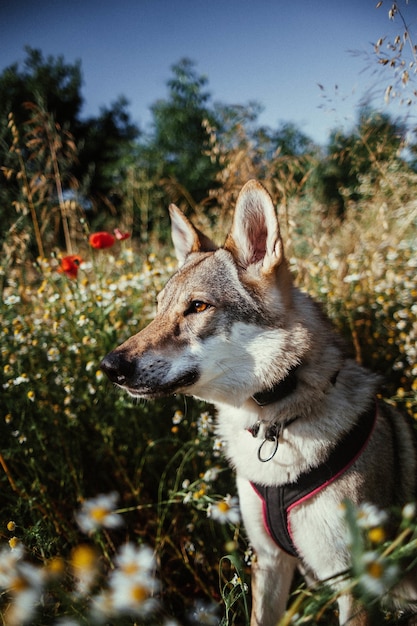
x,y
180,138
106,148
40,113
56,83
376,140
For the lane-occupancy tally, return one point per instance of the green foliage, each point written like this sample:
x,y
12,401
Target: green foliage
x,y
50,81
103,145
376,141
180,138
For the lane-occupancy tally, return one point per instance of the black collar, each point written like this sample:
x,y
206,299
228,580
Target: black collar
x,y
279,391
283,388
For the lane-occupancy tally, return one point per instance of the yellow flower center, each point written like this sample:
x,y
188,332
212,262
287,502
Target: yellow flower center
x,y
139,594
130,568
18,585
99,514
223,507
375,569
377,535
83,558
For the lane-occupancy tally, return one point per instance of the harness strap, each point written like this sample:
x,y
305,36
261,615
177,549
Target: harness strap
x,y
278,501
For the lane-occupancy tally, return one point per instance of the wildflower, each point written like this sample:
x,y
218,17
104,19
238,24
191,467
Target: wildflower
x,y
98,513
204,613
84,565
178,417
205,424
11,526
218,446
226,510
70,265
377,576
101,240
25,589
369,516
9,560
133,596
237,582
119,235
55,567
10,300
211,474
53,354
135,561
102,606
189,547
377,534
133,583
409,511
14,542
21,379
248,556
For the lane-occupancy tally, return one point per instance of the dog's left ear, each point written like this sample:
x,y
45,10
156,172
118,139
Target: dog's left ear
x,y
186,237
255,235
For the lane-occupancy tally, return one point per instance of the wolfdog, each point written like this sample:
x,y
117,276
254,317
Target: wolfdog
x,y
300,420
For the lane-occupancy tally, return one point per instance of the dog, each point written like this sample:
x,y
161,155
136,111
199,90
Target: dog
x,y
299,419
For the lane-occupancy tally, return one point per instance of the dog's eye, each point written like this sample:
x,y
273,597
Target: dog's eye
x,y
197,306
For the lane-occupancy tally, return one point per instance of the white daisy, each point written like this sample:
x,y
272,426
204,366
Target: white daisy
x,y
98,513
226,510
378,575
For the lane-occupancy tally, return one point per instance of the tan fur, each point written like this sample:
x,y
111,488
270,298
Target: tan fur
x,y
231,324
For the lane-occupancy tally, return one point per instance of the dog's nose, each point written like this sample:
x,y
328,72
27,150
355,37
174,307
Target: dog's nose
x,y
119,369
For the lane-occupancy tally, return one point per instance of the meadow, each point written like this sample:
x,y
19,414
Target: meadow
x,y
121,512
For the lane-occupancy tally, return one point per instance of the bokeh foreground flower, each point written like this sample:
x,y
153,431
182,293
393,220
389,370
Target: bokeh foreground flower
x,y
227,510
99,513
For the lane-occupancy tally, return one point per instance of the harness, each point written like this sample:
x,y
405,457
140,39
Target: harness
x,y
278,501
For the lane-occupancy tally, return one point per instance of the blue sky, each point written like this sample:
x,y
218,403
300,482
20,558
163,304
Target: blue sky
x,y
273,51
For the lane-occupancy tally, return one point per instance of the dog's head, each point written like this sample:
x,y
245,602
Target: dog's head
x,y
222,325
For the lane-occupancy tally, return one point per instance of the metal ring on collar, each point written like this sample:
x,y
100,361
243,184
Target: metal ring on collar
x,y
274,451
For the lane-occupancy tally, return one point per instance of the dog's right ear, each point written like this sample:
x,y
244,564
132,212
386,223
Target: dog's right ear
x,y
186,237
255,237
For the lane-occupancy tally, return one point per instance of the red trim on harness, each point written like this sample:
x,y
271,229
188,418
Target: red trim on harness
x,y
331,480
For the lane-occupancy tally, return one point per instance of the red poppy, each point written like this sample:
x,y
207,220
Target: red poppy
x,y
101,240
70,265
121,236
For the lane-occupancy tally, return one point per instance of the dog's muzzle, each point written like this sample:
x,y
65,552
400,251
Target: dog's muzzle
x,y
120,370
147,382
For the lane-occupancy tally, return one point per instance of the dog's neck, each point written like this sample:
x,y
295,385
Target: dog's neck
x,y
279,391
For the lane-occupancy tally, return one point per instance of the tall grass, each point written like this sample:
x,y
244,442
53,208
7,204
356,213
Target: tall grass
x,y
163,543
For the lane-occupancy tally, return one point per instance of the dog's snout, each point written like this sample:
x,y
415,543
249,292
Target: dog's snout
x,y
118,368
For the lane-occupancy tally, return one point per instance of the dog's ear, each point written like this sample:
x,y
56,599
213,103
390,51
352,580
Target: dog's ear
x,y
255,235
186,237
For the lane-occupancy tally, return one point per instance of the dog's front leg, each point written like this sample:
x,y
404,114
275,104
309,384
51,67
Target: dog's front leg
x,y
270,589
272,569
352,613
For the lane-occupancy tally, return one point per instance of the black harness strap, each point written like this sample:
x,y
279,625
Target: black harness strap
x,y
279,501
